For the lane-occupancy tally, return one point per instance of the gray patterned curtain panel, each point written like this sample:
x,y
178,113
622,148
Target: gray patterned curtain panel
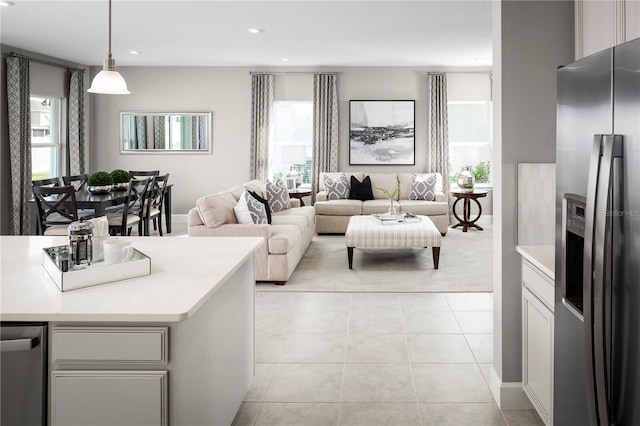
x,y
19,117
75,124
141,132
261,107
325,127
159,132
438,127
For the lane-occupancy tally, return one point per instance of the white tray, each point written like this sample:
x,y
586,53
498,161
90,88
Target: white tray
x,y
94,274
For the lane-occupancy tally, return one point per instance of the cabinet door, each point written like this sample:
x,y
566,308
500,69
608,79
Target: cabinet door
x,y
537,350
87,398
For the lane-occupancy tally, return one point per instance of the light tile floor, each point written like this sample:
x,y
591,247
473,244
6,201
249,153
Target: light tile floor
x,y
374,358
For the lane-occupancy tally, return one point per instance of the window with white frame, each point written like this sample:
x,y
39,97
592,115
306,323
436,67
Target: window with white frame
x,y
47,152
470,139
291,139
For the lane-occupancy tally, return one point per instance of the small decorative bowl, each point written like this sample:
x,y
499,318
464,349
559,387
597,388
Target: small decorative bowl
x,y
99,189
122,186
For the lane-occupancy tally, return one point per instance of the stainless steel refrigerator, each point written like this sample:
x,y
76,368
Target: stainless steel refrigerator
x,y
597,303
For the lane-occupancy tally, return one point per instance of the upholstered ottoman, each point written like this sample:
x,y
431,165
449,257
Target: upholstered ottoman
x,y
369,232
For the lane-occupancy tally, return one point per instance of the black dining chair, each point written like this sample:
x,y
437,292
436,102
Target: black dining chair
x,y
49,182
121,221
57,208
144,173
153,211
79,183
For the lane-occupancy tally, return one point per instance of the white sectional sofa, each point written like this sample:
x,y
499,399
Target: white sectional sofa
x,y
332,216
285,240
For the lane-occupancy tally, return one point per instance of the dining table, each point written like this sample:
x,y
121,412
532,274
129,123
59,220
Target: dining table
x,y
99,204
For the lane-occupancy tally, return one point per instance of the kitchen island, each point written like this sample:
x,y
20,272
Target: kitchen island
x,y
173,347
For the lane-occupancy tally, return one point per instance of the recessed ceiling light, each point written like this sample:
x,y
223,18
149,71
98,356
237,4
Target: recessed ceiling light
x,y
285,59
255,30
134,52
6,3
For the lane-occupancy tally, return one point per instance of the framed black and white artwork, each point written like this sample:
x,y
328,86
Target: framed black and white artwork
x,y
382,132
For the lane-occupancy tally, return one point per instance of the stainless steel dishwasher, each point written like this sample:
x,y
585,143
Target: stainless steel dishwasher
x,y
23,374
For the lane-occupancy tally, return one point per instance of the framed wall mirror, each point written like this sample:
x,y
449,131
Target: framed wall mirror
x,y
165,132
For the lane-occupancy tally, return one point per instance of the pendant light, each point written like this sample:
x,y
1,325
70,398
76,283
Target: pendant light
x,y
109,81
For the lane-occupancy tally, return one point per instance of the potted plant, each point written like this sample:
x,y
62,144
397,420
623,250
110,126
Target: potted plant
x,y
121,179
100,183
391,195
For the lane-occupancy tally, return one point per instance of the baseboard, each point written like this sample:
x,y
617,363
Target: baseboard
x,y
508,395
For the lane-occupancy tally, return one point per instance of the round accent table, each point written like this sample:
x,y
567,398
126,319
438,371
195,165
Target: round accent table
x,y
466,208
299,193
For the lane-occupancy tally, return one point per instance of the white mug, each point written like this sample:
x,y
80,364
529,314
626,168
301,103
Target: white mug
x,y
117,250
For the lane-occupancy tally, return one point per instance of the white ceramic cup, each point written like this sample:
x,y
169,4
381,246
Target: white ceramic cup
x,y
117,250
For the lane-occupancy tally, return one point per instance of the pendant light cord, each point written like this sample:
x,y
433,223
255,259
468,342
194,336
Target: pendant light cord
x,y
109,29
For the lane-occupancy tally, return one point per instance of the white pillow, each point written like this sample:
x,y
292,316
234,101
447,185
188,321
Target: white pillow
x,y
242,210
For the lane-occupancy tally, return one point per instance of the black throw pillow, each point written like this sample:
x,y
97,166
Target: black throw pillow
x,y
361,190
265,202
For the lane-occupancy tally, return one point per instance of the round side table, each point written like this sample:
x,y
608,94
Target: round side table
x,y
299,193
465,221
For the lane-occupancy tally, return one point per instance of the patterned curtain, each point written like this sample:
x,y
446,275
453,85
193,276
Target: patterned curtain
x,y
202,132
261,107
438,127
19,117
325,127
75,124
141,132
159,132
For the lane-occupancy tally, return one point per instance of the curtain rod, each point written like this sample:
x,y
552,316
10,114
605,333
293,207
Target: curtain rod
x,y
294,72
42,61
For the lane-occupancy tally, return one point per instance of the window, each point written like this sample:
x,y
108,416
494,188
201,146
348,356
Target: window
x,y
470,137
46,136
291,139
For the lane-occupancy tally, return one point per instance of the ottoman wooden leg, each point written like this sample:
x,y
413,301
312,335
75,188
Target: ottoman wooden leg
x,y
350,256
436,257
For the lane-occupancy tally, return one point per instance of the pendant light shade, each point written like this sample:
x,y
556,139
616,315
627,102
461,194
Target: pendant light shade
x,y
109,81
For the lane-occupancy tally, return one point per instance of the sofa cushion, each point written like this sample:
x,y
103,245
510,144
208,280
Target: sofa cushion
x,y
337,188
360,190
283,238
307,212
299,221
257,209
237,191
388,181
423,188
277,197
256,186
421,207
217,209
241,209
404,181
378,206
264,202
338,207
333,175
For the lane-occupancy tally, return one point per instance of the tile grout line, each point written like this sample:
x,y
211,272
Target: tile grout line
x,y
406,344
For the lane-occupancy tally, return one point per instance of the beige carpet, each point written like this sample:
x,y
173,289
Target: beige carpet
x,y
465,266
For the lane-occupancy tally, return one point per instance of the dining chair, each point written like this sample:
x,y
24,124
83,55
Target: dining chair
x,y
143,173
79,183
57,208
121,222
153,211
49,182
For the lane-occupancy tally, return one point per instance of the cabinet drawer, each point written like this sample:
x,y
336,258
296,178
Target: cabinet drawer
x,y
109,345
538,284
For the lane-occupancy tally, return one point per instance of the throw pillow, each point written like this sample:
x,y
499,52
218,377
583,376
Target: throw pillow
x,y
337,188
361,190
264,202
216,209
257,210
243,215
423,188
278,197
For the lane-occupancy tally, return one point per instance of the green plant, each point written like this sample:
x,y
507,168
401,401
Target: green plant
x,y
482,172
120,176
391,195
100,179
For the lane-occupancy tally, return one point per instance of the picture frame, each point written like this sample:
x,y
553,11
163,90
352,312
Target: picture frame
x,y
382,132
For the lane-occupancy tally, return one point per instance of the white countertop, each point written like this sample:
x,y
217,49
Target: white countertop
x,y
185,272
542,257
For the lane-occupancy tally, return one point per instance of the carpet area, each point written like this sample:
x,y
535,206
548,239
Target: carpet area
x,y
465,266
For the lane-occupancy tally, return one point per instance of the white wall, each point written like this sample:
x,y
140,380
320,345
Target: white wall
x,y
226,92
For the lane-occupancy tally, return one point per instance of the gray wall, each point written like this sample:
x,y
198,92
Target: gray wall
x,y
535,38
226,92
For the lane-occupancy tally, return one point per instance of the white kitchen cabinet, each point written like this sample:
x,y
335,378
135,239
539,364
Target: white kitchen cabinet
x,y
600,24
537,339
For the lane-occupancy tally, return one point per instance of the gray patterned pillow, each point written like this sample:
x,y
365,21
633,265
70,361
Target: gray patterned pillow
x,y
337,188
256,210
277,197
423,187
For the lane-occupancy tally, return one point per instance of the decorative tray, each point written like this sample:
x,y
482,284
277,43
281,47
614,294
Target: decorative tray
x,y
55,261
387,219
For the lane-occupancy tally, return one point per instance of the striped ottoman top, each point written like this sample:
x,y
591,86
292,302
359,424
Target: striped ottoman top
x,y
368,232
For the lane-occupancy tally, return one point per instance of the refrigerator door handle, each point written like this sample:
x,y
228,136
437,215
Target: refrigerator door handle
x,y
596,252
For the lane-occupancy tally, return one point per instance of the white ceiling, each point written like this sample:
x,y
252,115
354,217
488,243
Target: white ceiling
x,y
214,33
